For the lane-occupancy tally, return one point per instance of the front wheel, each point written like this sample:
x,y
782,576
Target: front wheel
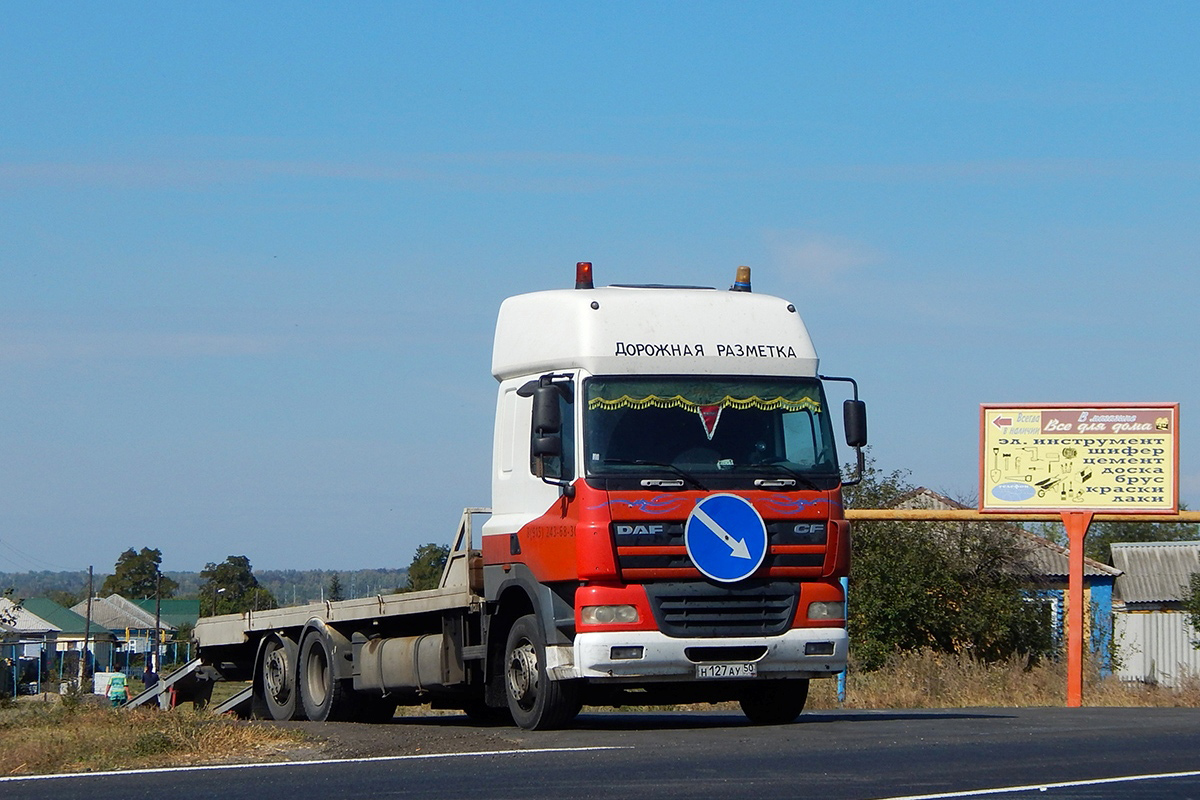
x,y
774,702
536,702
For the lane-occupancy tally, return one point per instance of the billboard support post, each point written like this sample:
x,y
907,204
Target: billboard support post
x,y
1076,523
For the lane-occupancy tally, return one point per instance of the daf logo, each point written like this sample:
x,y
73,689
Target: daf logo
x,y
640,530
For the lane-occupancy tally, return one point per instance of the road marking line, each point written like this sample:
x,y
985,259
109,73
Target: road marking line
x,y
1041,787
321,762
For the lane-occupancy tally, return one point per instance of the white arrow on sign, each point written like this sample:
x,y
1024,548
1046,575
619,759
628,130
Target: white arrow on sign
x,y
737,547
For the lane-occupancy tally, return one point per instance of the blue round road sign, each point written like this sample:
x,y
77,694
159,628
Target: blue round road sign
x,y
725,537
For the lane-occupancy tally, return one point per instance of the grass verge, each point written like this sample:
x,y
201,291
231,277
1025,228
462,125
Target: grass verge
x,y
39,738
928,679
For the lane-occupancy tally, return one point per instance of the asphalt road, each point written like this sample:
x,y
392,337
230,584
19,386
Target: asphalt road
x,y
1055,752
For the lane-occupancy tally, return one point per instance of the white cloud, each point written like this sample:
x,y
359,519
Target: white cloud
x,y
817,257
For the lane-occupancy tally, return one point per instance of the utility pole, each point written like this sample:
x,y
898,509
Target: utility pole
x,y
157,614
87,629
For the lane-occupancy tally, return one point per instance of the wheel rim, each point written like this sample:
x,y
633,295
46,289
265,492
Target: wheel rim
x,y
523,674
275,675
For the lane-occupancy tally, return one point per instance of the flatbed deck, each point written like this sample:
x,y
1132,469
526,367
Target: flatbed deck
x,y
459,588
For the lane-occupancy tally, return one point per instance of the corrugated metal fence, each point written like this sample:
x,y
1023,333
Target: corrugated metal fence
x,y
1156,647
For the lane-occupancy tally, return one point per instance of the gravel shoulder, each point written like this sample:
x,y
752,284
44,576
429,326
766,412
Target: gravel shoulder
x,y
400,736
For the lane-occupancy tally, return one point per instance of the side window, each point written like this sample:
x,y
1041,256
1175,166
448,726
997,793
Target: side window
x,y
803,438
559,467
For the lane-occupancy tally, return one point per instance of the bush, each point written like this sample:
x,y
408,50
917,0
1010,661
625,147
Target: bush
x,y
946,587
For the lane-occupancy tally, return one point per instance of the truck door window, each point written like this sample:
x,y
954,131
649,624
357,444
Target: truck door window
x,y
558,467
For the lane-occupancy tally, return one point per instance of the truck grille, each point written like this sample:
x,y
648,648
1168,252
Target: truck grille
x,y
701,609
653,551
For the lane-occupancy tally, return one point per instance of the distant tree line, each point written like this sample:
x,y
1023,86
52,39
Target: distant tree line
x,y
287,586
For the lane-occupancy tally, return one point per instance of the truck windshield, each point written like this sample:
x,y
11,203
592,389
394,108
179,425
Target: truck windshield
x,y
707,426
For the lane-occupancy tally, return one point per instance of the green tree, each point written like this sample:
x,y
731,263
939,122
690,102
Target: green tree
x,y
1191,606
183,633
951,587
8,614
65,598
137,575
230,588
1101,536
334,591
425,571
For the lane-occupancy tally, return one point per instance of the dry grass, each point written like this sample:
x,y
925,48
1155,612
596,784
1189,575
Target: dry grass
x,y
937,680
50,737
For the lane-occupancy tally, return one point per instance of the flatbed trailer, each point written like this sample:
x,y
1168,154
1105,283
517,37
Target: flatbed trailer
x,y
331,643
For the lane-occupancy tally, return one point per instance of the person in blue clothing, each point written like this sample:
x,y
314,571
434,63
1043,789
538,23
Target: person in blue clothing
x,y
150,677
118,693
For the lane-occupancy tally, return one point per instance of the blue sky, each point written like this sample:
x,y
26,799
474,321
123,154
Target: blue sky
x,y
251,254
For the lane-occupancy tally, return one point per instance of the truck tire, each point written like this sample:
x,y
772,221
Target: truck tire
x,y
323,696
536,702
277,678
774,702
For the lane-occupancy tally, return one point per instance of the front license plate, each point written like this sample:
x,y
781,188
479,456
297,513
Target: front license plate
x,y
726,670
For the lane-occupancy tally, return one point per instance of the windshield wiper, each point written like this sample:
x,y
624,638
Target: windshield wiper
x,y
687,476
803,479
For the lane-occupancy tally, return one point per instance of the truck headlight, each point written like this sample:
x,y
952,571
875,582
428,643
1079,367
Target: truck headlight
x,y
608,615
823,610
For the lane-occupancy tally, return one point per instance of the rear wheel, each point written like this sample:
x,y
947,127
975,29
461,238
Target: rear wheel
x,y
536,702
323,696
277,678
774,702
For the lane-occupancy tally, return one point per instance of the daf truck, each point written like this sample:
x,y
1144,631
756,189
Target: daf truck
x,y
666,526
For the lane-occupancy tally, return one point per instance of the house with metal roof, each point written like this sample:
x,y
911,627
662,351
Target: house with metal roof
x,y
25,638
27,629
119,615
1046,567
133,623
1154,635
173,612
71,627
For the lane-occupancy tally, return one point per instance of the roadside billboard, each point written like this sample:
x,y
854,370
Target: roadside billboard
x,y
1101,458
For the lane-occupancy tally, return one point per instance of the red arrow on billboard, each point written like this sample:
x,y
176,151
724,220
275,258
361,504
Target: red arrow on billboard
x,y
1002,422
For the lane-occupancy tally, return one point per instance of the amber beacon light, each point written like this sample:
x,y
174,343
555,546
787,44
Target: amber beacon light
x,y
741,282
583,275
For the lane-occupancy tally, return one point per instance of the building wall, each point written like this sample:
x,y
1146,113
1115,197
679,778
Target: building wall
x,y
1097,617
1156,647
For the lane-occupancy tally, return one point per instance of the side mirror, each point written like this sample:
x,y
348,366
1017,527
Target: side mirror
x,y
547,421
547,446
854,419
